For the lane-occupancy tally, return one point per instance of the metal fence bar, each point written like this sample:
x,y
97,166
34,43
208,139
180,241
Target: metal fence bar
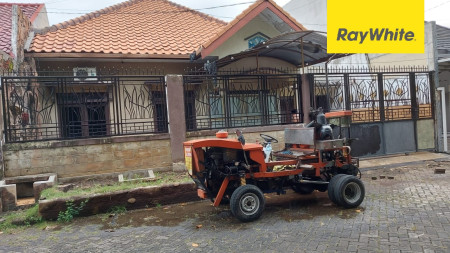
x,y
376,97
381,97
40,108
414,102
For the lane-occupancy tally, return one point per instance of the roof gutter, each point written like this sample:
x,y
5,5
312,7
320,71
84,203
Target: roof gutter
x,y
108,56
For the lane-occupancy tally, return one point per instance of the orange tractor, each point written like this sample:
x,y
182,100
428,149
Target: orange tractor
x,y
232,171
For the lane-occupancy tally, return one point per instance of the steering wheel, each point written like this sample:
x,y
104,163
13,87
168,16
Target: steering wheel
x,y
268,138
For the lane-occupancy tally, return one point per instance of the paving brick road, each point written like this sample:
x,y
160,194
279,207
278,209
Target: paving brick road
x,y
410,213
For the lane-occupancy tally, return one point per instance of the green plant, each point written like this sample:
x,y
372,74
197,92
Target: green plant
x,y
71,211
117,210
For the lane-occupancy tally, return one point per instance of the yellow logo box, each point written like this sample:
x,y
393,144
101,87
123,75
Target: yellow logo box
x,y
381,26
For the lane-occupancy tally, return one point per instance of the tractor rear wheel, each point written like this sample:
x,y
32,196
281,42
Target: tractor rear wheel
x,y
331,187
247,203
349,191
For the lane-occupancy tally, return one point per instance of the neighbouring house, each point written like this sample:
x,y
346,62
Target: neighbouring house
x,y
313,15
16,22
443,59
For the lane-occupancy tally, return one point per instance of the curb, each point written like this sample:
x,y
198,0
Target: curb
x,y
143,197
393,165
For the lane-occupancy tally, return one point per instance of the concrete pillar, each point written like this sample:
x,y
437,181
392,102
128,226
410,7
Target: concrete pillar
x,y
15,36
306,98
434,66
8,196
177,120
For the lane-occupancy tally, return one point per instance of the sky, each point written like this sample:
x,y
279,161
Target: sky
x,y
63,10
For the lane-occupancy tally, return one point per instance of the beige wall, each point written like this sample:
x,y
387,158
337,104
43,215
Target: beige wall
x,y
403,60
236,42
88,157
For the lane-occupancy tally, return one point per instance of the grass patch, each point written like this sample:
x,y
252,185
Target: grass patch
x,y
21,219
162,178
11,222
117,210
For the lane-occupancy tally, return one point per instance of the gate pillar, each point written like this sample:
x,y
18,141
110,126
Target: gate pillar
x,y
176,114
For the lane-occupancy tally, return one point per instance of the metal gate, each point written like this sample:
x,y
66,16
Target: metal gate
x,y
241,100
392,110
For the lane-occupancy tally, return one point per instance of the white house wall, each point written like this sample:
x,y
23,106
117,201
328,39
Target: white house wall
x,y
236,43
41,20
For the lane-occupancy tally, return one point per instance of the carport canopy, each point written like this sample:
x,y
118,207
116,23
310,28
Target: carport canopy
x,y
301,48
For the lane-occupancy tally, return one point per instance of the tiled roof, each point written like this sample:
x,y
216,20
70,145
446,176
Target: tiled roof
x,y
135,27
30,10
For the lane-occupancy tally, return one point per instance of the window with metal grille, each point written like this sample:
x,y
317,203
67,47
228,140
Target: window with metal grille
x,y
83,114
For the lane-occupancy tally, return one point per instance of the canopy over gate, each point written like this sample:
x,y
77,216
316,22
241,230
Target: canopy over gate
x,y
302,48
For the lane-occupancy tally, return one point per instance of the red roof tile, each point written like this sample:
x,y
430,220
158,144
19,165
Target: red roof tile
x,y
30,10
137,27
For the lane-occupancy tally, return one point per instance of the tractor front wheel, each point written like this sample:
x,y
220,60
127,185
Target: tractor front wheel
x,y
349,191
331,187
247,203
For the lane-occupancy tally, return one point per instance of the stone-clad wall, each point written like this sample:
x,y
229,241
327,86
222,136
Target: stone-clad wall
x,y
88,157
21,27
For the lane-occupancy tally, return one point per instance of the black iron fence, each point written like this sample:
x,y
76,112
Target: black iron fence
x,y
241,100
54,108
375,96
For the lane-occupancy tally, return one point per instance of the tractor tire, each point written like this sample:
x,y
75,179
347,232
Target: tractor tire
x,y
247,203
349,191
302,189
331,187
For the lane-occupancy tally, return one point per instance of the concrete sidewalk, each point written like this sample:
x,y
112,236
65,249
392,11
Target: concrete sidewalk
x,y
398,160
408,211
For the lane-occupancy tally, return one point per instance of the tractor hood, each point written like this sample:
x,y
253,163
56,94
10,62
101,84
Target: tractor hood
x,y
222,143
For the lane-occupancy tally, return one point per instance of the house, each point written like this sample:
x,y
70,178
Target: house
x,y
120,89
109,96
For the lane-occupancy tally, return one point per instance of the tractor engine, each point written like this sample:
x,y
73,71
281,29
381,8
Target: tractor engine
x,y
222,162
319,122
